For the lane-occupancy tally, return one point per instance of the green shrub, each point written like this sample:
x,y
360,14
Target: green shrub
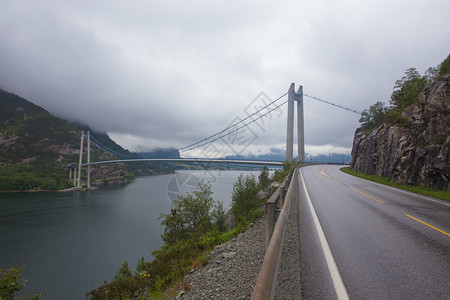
x,y
11,283
189,215
140,266
264,178
123,273
244,197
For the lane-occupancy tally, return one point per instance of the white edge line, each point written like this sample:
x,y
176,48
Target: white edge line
x,y
339,286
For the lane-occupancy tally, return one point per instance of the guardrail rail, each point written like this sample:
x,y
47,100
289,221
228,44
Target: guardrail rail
x,y
277,212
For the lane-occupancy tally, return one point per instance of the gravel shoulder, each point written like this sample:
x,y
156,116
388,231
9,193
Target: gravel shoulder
x,y
232,271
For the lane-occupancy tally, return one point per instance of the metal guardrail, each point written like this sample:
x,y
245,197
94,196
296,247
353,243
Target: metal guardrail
x,y
273,207
267,278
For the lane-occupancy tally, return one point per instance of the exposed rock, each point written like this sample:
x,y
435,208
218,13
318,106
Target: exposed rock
x,y
416,153
275,184
263,194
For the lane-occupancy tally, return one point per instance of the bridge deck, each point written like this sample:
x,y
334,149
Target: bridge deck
x,y
189,160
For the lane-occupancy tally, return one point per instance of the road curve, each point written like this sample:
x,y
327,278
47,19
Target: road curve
x,y
383,243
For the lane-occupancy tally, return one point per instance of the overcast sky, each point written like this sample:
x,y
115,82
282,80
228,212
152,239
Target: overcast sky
x,y
168,73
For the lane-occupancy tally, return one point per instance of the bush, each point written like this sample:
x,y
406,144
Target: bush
x,y
140,266
264,180
189,215
373,117
245,197
219,217
124,272
11,282
280,175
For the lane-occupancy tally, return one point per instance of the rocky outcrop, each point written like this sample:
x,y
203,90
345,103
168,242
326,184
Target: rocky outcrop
x,y
415,152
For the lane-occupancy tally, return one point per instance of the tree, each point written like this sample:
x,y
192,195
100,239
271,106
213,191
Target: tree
x,y
189,214
11,282
174,229
444,68
219,217
245,197
374,116
140,266
406,90
123,273
264,179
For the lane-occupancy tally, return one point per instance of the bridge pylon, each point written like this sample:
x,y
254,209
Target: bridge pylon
x,y
295,97
77,177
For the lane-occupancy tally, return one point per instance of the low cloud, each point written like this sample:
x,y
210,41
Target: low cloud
x,y
167,74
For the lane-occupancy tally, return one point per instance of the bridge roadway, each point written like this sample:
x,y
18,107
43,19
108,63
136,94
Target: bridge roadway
x,y
190,160
384,243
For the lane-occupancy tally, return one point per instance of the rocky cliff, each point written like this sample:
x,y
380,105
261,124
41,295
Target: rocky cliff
x,y
416,151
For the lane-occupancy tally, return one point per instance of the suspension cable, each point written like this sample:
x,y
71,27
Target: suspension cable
x,y
103,147
238,128
331,103
202,141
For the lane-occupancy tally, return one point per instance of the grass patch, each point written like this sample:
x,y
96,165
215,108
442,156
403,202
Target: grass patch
x,y
426,191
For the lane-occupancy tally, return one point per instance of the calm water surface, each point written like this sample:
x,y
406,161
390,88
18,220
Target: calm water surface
x,y
72,242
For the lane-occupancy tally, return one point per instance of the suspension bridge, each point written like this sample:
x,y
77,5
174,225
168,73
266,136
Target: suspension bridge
x,y
234,129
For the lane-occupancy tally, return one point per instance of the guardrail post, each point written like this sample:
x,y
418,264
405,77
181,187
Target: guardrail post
x,y
283,190
270,221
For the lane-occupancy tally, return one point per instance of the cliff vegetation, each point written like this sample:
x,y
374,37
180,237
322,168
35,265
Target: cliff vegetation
x,y
408,141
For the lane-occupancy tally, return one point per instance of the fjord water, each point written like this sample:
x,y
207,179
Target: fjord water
x,y
71,242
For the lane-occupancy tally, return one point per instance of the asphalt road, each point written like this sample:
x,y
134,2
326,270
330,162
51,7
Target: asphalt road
x,y
383,243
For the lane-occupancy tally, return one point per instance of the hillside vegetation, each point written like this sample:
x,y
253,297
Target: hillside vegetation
x,y
406,92
37,147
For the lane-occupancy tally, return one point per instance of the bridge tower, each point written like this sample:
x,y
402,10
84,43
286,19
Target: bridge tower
x,y
80,161
295,97
77,180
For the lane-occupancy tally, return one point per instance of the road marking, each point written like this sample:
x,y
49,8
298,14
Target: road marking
x,y
339,286
448,234
431,226
323,173
363,194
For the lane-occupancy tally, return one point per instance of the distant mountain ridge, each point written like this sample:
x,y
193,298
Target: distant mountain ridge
x,y
36,147
280,155
160,153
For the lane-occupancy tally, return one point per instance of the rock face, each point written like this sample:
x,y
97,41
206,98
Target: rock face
x,y
415,152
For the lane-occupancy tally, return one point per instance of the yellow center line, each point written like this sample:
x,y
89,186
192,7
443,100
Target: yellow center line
x,y
448,234
323,173
364,194
431,226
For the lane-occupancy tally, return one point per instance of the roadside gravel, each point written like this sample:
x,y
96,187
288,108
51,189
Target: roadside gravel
x,y
232,271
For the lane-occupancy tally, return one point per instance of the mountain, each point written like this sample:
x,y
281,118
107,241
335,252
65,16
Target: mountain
x,y
37,147
161,153
415,151
280,155
274,155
